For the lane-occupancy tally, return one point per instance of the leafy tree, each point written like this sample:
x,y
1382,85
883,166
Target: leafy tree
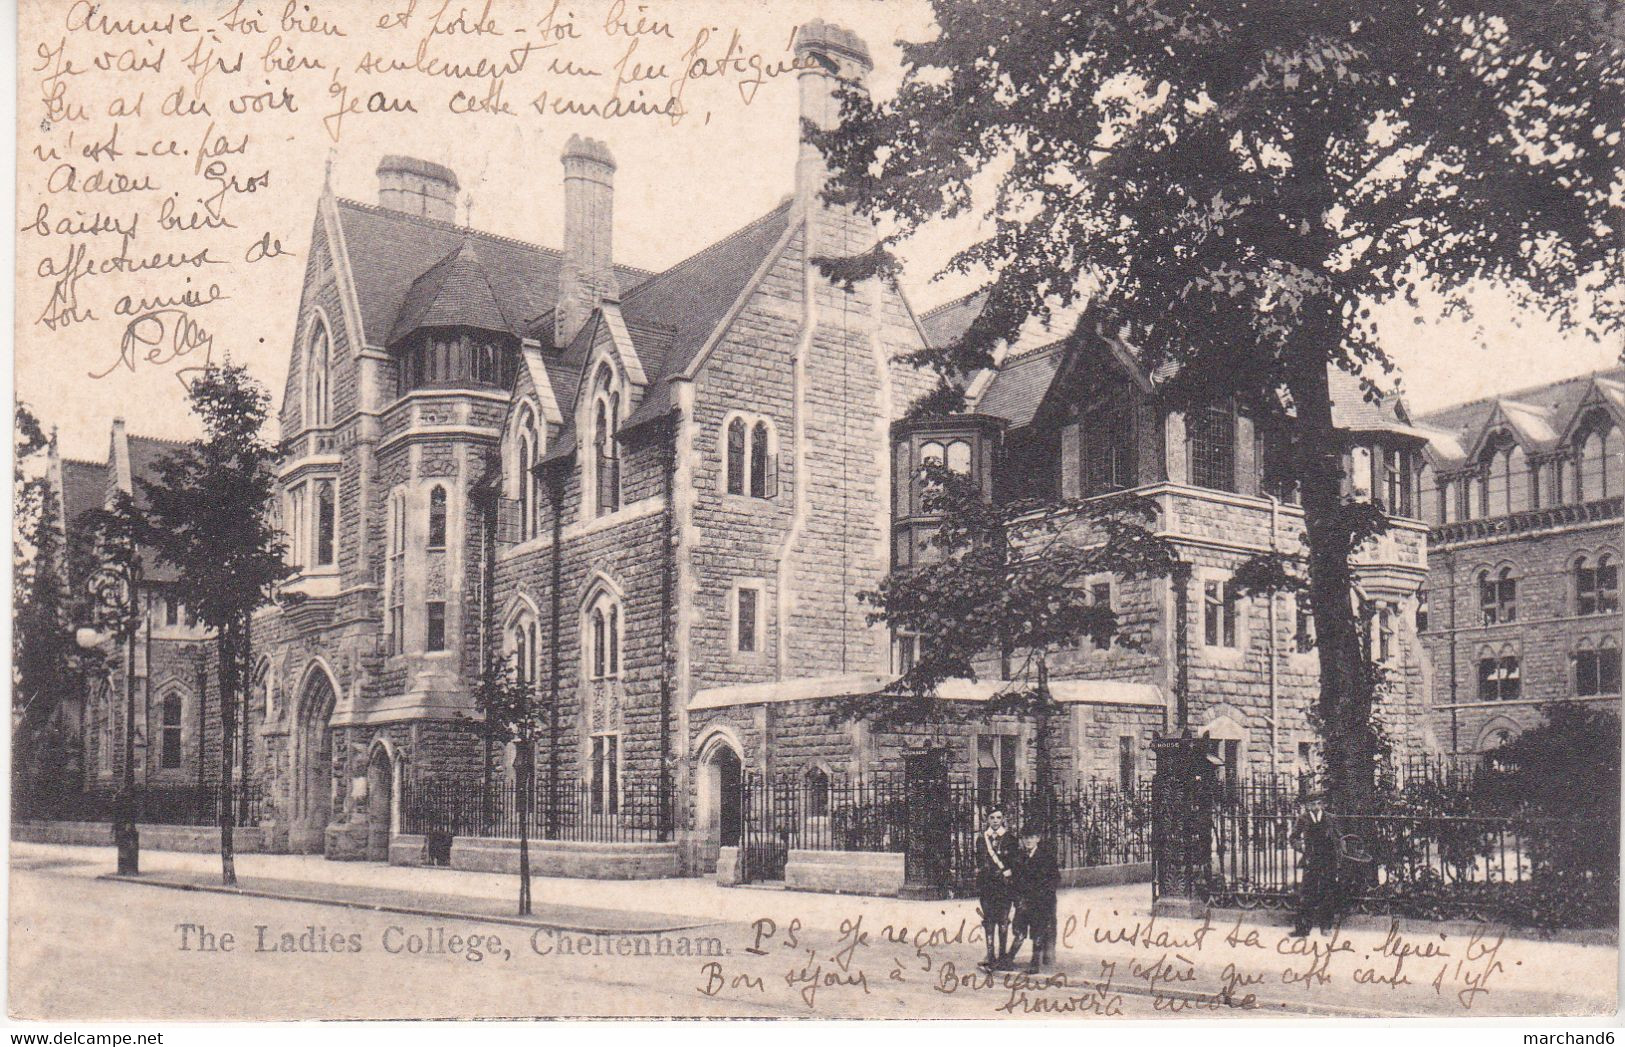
x,y
1006,581
510,715
1235,188
208,514
44,657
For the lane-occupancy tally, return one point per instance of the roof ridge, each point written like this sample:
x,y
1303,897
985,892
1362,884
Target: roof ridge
x,y
441,223
962,299
713,245
1513,394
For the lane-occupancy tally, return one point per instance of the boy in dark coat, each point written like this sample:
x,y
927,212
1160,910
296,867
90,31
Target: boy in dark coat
x,y
1038,876
1316,842
995,872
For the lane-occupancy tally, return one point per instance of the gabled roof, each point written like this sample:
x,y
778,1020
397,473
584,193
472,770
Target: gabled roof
x,y
456,291
84,486
389,250
1539,416
945,323
1019,384
691,300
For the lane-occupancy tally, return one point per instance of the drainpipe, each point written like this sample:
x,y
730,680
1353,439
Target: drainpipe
x,y
1455,713
1275,710
1182,631
798,513
668,569
555,494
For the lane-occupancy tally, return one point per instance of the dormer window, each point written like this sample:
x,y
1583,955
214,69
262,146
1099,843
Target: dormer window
x,y
1107,447
1211,434
1599,459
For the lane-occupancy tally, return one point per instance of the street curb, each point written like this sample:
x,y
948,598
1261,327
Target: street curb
x,y
1407,925
407,910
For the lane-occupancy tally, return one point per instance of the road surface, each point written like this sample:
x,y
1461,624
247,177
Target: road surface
x,y
87,948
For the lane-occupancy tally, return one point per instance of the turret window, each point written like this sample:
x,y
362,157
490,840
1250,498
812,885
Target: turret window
x,y
437,518
326,522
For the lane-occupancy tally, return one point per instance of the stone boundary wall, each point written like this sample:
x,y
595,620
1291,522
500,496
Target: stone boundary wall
x,y
199,839
845,872
596,861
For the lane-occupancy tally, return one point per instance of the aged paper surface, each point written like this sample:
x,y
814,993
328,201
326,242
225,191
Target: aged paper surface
x,y
555,381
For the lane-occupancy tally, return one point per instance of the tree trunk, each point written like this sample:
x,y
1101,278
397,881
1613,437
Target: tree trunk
x,y
1346,693
227,645
527,776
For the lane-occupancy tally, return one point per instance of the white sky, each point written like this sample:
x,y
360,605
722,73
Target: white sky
x,y
677,189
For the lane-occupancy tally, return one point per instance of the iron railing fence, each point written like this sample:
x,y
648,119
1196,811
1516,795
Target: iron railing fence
x,y
159,805
635,812
1089,823
1513,867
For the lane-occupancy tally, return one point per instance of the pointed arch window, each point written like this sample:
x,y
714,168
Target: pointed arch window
x,y
527,453
318,364
1596,585
437,517
1499,675
749,450
522,637
1600,460
1596,669
603,639
1498,596
170,746
394,578
736,456
606,421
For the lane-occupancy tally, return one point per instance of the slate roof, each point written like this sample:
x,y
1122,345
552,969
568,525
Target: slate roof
x,y
945,323
689,300
84,486
456,290
389,250
1539,414
1020,384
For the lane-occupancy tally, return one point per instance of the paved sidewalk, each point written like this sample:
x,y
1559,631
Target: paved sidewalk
x,y
1109,936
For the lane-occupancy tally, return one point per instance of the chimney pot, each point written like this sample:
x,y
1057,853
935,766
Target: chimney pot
x,y
587,273
418,187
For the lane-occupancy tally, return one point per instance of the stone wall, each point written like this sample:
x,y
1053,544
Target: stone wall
x,y
1545,636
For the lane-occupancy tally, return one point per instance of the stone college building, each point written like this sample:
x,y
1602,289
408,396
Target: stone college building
x,y
659,494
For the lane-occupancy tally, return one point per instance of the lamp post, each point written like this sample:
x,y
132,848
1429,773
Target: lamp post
x,y
113,590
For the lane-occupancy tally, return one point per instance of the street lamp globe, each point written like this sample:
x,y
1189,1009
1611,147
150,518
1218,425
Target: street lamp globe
x,y
87,638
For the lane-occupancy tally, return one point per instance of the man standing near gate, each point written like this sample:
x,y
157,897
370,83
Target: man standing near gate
x,y
995,869
1316,842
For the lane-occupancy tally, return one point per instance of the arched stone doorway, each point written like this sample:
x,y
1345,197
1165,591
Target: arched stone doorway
x,y
312,792
720,773
380,803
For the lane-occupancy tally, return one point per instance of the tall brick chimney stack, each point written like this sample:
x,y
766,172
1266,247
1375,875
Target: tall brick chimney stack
x,y
836,54
587,276
418,187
